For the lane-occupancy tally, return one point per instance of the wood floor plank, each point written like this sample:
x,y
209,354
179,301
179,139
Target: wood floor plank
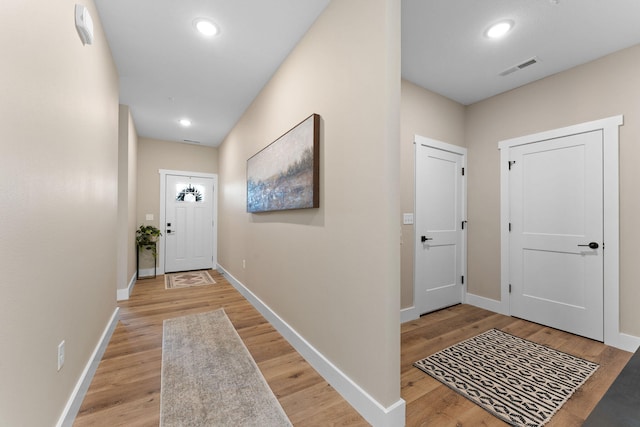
x,y
312,406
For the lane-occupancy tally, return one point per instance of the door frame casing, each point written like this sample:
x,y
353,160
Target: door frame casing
x,y
462,151
163,191
611,229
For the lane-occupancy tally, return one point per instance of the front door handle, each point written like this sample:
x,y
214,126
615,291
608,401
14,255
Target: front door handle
x,y
592,245
425,238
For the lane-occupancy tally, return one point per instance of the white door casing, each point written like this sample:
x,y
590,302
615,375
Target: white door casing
x,y
440,263
610,229
556,201
190,241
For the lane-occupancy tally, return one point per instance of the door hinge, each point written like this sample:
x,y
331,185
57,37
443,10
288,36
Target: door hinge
x,y
509,287
462,171
511,162
462,279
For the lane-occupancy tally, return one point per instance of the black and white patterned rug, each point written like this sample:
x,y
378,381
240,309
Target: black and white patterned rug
x,y
518,381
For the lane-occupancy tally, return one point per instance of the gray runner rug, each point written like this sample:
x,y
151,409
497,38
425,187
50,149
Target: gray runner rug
x,y
209,377
518,381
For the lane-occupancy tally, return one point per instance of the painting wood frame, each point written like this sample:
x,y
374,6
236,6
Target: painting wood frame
x,y
286,174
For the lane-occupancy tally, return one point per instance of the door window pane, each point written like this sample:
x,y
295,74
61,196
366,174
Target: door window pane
x,y
189,193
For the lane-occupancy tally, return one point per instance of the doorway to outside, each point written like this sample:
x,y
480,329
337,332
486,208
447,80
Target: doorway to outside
x,y
559,236
188,220
440,225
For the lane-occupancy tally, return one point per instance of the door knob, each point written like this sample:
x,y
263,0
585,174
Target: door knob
x,y
592,245
425,238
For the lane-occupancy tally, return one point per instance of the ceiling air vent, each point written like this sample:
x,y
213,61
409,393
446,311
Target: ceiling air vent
x,y
520,66
191,141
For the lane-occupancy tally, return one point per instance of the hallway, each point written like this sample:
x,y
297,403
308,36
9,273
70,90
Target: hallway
x,y
126,387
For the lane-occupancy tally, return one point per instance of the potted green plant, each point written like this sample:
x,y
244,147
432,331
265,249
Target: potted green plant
x,y
146,237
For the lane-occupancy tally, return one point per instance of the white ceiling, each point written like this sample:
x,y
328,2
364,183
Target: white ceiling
x,y
168,71
444,48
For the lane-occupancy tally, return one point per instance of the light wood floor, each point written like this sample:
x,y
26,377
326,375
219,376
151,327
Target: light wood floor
x,y
125,390
126,387
430,403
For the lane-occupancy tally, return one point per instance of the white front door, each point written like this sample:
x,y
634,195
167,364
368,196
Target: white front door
x,y
556,239
189,227
439,225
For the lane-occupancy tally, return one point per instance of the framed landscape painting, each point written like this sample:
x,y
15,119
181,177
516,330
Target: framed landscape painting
x,y
285,174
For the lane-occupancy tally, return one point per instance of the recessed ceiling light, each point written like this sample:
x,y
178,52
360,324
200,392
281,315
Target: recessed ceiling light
x,y
185,122
206,27
499,29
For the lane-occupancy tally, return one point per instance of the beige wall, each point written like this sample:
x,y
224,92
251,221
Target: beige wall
x,y
154,155
331,273
599,89
127,192
433,116
58,187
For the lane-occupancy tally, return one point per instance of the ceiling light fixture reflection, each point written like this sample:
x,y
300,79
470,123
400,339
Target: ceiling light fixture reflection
x,y
185,122
206,27
499,29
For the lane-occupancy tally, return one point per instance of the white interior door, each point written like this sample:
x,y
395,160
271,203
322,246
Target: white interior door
x,y
439,226
189,226
556,212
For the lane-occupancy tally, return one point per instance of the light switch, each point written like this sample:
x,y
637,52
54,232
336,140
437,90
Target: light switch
x,y
149,217
407,218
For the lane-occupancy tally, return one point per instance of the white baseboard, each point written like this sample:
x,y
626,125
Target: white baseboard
x,y
77,396
124,294
486,303
625,342
372,411
408,314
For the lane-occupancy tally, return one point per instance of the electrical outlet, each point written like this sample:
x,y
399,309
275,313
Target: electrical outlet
x,y
244,263
60,355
